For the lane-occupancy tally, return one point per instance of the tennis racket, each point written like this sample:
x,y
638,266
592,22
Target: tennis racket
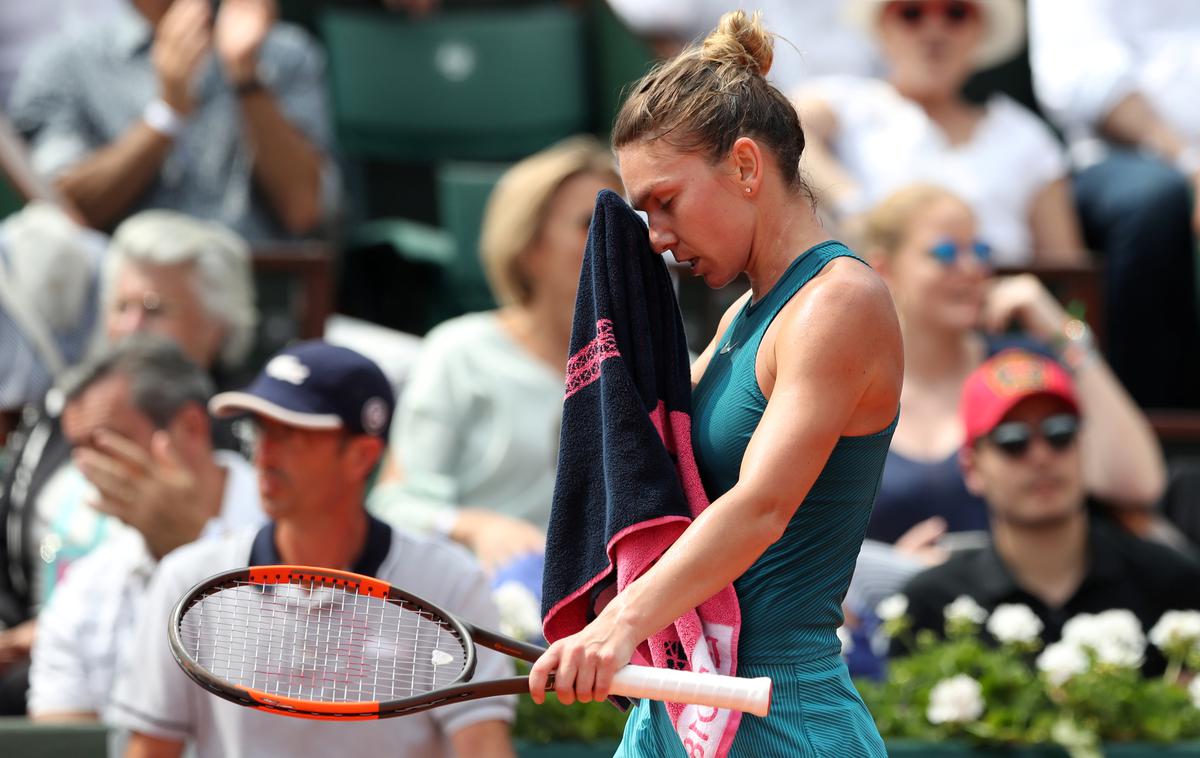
x,y
322,644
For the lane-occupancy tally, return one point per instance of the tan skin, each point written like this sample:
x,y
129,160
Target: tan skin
x,y
312,484
730,216
941,310
287,167
162,482
929,64
542,326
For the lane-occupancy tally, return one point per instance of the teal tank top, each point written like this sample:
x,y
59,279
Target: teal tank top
x,y
791,597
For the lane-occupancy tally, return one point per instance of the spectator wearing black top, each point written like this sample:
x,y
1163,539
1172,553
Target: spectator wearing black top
x,y
1022,456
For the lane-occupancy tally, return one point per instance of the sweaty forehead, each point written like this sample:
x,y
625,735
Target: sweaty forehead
x,y
646,167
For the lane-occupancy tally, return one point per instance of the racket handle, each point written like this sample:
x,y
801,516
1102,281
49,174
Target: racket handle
x,y
736,693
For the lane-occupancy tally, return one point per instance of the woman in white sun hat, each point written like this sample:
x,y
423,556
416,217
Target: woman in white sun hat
x,y
870,137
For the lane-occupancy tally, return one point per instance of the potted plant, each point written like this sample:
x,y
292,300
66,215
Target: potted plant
x,y
1084,694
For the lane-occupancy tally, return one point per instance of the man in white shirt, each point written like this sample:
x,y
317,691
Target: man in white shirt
x,y
1119,79
322,415
136,419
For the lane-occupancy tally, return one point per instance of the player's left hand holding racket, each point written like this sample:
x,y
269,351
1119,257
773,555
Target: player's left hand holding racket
x,y
324,644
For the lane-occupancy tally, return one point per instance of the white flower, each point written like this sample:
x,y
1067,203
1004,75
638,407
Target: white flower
x,y
1176,628
1061,661
1194,691
965,609
955,700
1013,622
892,607
520,616
846,637
1115,636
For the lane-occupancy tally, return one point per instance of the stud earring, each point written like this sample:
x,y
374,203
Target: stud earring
x,y
747,190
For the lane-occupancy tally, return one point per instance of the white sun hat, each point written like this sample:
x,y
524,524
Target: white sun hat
x,y
1003,21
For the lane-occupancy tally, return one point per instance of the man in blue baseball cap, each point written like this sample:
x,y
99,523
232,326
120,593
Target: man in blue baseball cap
x,y
321,415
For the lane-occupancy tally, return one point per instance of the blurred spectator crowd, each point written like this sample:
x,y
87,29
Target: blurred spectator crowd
x,y
191,188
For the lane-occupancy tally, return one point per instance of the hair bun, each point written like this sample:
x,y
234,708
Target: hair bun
x,y
740,40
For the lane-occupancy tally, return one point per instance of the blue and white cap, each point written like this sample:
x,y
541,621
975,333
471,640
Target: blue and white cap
x,y
315,385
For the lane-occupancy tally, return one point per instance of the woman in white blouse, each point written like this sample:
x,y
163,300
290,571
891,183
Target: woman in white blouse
x,y
869,137
475,442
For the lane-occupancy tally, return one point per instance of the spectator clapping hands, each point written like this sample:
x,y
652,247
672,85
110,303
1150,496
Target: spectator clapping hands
x,y
240,29
182,39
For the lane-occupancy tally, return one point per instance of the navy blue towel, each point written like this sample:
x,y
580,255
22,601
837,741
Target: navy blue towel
x,y
627,484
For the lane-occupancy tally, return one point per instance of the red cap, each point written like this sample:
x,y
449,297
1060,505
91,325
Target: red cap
x,y
1006,379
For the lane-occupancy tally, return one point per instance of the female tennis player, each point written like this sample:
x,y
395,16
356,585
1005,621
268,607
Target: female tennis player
x,y
795,401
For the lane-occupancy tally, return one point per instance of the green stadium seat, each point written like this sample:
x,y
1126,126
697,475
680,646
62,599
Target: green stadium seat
x,y
477,85
619,58
434,273
463,190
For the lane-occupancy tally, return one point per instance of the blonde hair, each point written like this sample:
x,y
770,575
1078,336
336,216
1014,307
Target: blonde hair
x,y
710,95
516,210
885,227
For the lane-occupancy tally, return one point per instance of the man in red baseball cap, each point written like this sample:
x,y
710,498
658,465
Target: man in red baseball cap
x,y
1022,455
1021,423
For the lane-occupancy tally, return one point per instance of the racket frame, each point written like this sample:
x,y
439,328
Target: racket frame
x,y
460,689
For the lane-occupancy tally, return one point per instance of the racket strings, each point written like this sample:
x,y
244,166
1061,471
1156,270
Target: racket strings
x,y
320,642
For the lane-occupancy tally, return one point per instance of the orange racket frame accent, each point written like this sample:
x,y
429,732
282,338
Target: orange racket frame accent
x,y
360,711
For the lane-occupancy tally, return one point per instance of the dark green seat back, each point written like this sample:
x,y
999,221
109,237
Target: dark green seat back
x,y
485,85
463,190
619,58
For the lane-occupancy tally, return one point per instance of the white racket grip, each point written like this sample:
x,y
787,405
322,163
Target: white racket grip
x,y
736,693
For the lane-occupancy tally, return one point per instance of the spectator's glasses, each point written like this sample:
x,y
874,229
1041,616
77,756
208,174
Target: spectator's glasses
x,y
946,252
150,304
954,12
1013,438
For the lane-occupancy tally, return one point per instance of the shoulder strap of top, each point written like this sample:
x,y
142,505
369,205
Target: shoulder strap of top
x,y
800,273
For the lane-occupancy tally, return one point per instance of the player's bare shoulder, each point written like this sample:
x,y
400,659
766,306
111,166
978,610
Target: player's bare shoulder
x,y
844,321
848,293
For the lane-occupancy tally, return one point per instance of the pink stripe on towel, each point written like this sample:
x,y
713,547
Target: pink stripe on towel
x,y
583,368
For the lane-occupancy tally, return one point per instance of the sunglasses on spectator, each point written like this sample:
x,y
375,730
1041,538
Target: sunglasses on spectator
x,y
954,12
946,251
1013,438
